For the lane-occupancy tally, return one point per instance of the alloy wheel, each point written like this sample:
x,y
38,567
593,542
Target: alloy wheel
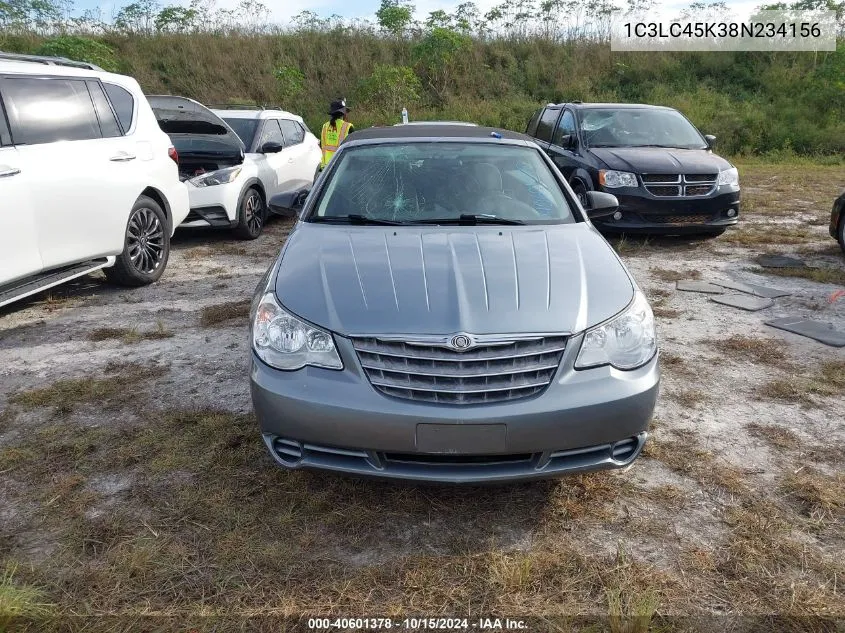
x,y
252,213
145,240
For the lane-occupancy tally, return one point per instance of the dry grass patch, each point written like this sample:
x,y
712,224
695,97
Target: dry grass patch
x,y
822,274
224,314
673,275
662,312
116,387
766,234
827,381
778,436
822,497
767,351
130,335
764,567
690,398
674,364
686,458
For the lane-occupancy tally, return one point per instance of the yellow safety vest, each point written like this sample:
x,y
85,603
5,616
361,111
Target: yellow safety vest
x,y
330,139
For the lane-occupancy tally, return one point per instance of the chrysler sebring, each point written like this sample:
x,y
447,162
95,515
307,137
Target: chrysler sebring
x,y
444,310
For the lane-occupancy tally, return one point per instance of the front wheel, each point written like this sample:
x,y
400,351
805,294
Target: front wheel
x,y
146,246
251,215
580,190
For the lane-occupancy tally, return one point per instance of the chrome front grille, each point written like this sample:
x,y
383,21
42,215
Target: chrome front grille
x,y
679,185
488,372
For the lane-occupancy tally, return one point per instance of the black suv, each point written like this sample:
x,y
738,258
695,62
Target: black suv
x,y
658,165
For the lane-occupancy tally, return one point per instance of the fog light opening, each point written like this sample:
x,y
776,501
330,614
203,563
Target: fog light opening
x,y
288,452
617,215
731,213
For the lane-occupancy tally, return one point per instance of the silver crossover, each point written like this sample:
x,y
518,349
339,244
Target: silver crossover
x,y
445,311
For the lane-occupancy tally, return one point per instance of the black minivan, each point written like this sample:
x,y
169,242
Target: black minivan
x,y
659,166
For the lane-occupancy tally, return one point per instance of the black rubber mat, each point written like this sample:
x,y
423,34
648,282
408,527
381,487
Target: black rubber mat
x,y
754,289
745,302
821,332
692,285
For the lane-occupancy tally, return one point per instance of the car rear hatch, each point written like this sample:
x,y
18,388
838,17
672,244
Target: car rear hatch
x,y
204,141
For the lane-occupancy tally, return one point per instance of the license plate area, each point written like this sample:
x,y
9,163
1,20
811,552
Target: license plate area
x,y
471,439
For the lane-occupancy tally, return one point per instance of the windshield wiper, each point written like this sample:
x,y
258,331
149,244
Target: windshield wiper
x,y
355,218
470,219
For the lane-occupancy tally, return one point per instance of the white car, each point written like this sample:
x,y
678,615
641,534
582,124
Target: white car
x,y
234,160
87,178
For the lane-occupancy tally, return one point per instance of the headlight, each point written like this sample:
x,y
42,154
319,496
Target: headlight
x,y
627,341
219,177
285,342
610,178
728,177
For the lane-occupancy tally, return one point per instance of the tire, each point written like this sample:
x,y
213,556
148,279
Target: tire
x,y
841,232
252,214
146,246
580,190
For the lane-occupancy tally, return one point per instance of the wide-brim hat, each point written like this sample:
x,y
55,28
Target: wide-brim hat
x,y
339,107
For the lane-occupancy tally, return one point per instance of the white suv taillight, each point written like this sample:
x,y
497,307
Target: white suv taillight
x,y
171,151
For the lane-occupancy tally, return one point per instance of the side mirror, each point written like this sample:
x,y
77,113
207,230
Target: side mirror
x,y
271,147
289,203
569,141
601,204
711,140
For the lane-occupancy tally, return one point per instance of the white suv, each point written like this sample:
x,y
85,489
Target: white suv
x,y
234,159
87,178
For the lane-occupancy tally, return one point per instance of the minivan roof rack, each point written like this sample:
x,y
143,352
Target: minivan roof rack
x,y
51,61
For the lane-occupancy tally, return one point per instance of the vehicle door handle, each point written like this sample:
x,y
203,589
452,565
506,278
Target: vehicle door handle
x,y
8,171
290,160
122,157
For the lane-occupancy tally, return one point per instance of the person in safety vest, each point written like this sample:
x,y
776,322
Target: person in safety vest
x,y
334,130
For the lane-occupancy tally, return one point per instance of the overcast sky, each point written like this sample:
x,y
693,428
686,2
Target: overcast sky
x,y
283,10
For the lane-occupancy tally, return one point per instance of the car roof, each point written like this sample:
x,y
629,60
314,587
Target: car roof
x,y
35,67
439,131
255,114
614,106
436,123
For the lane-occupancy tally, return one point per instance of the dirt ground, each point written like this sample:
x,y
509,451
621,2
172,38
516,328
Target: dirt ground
x,y
133,482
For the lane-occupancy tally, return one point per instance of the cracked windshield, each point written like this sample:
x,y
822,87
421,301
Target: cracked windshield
x,y
443,182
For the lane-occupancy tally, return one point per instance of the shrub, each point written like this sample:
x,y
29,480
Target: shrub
x,y
81,49
389,89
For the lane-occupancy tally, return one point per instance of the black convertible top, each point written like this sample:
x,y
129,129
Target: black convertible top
x,y
435,131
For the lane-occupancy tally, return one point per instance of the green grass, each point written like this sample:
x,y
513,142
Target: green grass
x,y
20,600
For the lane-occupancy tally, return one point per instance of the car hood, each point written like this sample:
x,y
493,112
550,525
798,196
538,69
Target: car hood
x,y
657,160
195,130
441,280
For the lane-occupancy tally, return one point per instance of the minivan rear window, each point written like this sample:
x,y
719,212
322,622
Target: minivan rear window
x,y
547,124
47,110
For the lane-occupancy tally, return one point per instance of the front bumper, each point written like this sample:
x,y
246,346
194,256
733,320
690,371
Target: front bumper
x,y
645,213
585,420
213,206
